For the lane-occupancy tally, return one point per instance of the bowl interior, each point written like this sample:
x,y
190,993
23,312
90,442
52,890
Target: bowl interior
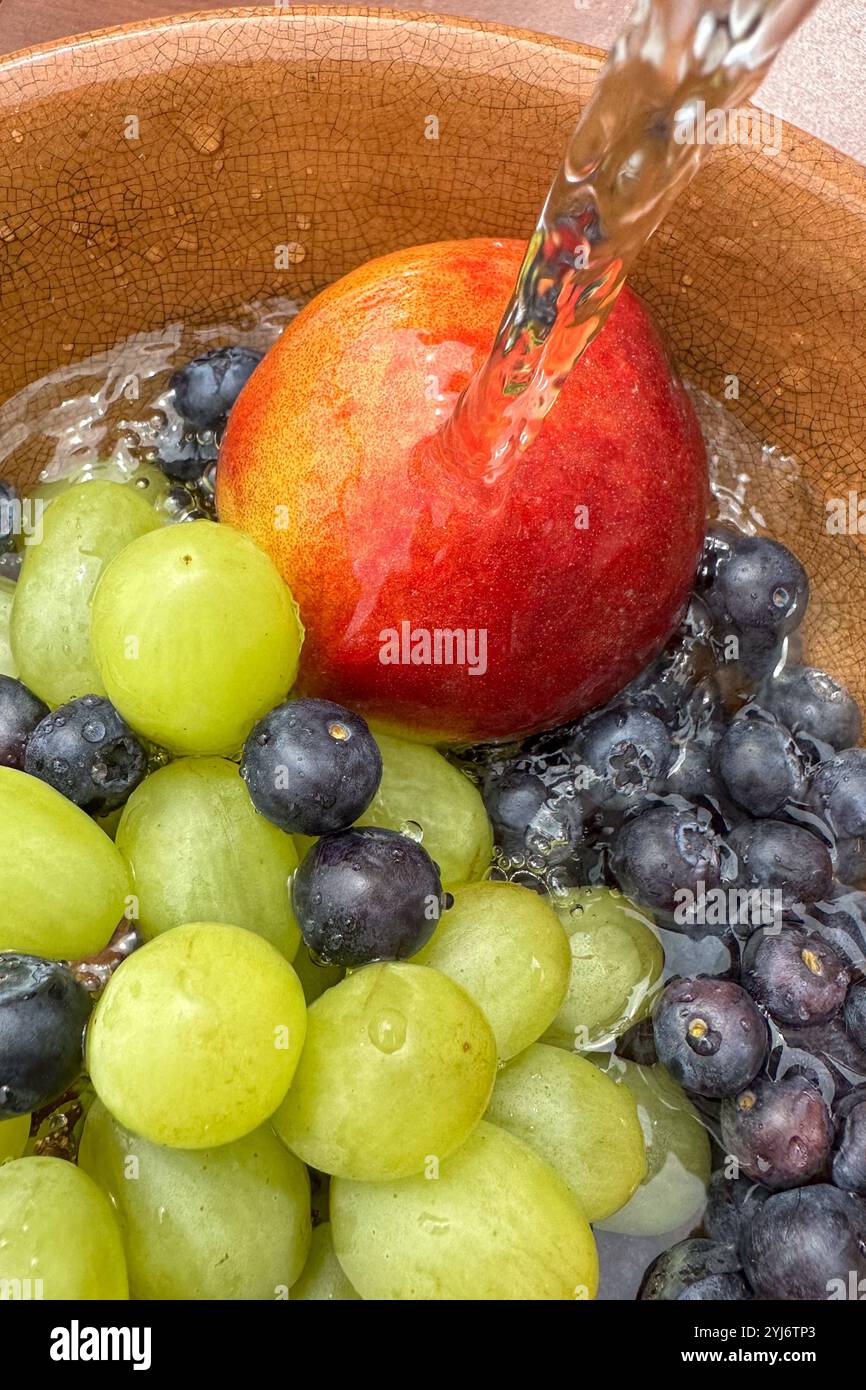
x,y
179,170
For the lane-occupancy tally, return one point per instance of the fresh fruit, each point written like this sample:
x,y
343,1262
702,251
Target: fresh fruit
x,y
497,1223
709,1035
757,586
59,1239
65,885
775,855
808,701
849,1158
626,751
809,1243
420,786
196,1039
207,387
88,753
797,977
506,948
838,792
8,664
576,1119
759,764
731,1203
20,712
664,852
14,1134
696,1270
616,961
855,1013
198,852
779,1132
396,1072
195,636
331,461
323,1277
83,530
315,978
43,1014
513,799
677,1152
311,767
367,894
222,1223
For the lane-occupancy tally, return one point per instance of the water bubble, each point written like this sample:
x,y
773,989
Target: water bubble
x,y
412,830
387,1031
93,731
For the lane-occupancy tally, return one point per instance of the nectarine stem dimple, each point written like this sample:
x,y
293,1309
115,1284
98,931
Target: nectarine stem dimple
x,y
640,141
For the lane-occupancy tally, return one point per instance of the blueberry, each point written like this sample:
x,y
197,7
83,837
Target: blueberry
x,y
691,774
10,566
367,894
311,767
20,712
8,518
207,387
849,1157
533,820
664,853
851,860
730,1203
828,1054
709,1035
513,799
183,455
759,764
625,751
838,792
809,701
43,1012
806,1244
755,586
638,1044
86,751
840,920
855,1013
779,1132
778,856
695,1270
797,977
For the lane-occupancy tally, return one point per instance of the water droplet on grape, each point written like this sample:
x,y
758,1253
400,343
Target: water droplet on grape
x,y
387,1031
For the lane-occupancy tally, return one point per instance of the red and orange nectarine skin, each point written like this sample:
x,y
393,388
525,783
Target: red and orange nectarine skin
x,y
576,564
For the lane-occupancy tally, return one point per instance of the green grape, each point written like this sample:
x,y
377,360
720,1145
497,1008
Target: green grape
x,y
506,947
226,1223
195,635
616,962
58,1235
398,1066
493,1222
65,886
146,479
677,1147
8,664
575,1118
315,978
195,1041
419,785
323,1276
14,1134
83,530
199,852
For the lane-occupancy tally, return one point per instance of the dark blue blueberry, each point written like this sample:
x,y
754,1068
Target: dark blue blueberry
x,y
730,1203
838,793
10,566
8,516
855,1013
696,1270
797,977
207,387
851,861
625,751
183,455
664,853
808,1244
849,1157
808,701
86,751
43,1013
779,1132
759,764
534,819
513,798
776,855
828,1054
639,1044
840,920
367,894
311,766
710,1036
20,712
755,586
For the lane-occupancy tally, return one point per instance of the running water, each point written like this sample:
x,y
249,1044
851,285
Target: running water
x,y
634,150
